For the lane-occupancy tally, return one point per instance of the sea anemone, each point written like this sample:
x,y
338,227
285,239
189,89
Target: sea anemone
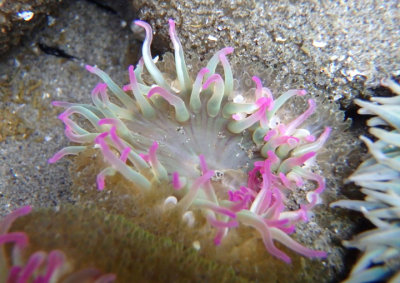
x,y
379,177
40,267
190,136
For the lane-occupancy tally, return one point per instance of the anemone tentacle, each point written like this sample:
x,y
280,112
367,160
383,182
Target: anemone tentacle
x,y
202,132
379,178
39,266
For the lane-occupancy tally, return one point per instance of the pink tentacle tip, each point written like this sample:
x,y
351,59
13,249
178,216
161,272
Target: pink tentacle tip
x,y
310,138
257,80
282,129
227,50
114,136
100,182
301,92
269,135
143,24
272,157
153,148
145,157
262,101
311,103
140,63
132,76
211,79
282,256
126,88
288,230
125,154
326,132
236,117
33,265
55,259
57,156
218,237
285,181
91,69
305,157
314,198
259,88
13,274
299,182
19,238
217,241
23,210
292,141
303,213
108,121
63,116
57,103
154,90
203,71
99,88
171,23
176,183
100,138
203,164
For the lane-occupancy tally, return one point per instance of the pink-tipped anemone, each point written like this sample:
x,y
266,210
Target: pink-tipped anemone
x,y
40,267
186,133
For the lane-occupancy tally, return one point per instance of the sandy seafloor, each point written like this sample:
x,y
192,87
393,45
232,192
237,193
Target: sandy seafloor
x,y
337,50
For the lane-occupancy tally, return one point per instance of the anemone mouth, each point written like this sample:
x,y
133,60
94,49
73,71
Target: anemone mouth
x,y
190,134
180,144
